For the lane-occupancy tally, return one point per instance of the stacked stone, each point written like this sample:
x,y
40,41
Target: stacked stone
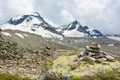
x,y
93,53
92,50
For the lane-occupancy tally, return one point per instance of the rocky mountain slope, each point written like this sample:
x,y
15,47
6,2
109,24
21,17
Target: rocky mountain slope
x,y
75,29
26,54
21,61
31,41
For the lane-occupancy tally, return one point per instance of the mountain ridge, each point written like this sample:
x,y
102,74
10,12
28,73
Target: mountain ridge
x,y
75,29
34,23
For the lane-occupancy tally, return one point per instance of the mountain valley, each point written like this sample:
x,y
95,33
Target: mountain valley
x,y
31,47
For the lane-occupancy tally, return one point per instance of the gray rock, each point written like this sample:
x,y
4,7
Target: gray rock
x,y
101,60
51,75
110,58
90,60
73,65
95,46
92,50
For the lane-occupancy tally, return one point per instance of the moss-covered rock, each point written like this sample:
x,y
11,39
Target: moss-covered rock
x,y
61,69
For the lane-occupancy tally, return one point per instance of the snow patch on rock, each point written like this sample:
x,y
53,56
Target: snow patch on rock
x,y
114,37
20,35
6,33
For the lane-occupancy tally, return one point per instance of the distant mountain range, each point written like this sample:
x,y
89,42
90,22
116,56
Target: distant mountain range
x,y
75,29
115,37
34,23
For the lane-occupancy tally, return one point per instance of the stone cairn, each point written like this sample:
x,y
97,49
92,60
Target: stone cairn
x,y
92,55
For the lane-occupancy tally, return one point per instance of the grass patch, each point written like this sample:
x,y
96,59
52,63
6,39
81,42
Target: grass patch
x,y
49,64
4,76
76,52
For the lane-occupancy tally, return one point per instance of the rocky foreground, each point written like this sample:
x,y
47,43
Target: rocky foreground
x,y
22,62
42,64
62,71
92,64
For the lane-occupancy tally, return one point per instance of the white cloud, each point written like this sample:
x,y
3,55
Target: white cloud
x,y
20,5
51,22
1,14
66,16
15,7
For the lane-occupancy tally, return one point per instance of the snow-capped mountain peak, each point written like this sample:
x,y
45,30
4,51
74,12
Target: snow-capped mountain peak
x,y
75,25
28,17
75,29
33,23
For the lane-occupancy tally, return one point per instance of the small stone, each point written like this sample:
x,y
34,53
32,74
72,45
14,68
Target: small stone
x,y
48,47
1,66
73,65
34,70
21,69
35,51
79,60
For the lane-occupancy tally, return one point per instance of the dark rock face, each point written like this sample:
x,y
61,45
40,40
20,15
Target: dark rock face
x,y
73,25
24,17
83,29
16,22
97,33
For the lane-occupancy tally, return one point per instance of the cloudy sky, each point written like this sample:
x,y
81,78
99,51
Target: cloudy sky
x,y
103,15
